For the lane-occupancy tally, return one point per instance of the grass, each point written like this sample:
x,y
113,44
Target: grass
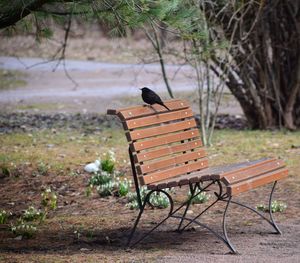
x,y
64,150
11,79
40,106
59,151
231,146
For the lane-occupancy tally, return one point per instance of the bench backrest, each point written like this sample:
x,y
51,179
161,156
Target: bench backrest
x,y
164,143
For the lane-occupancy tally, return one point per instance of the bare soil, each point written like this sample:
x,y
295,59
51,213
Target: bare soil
x,y
103,226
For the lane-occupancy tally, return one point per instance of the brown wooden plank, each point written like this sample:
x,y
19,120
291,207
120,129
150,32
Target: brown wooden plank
x,y
243,168
172,172
146,110
152,187
177,181
214,172
130,111
153,154
160,130
165,139
158,118
257,181
179,159
253,171
207,174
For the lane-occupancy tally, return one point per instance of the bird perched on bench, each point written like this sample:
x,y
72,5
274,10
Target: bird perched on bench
x,y
150,97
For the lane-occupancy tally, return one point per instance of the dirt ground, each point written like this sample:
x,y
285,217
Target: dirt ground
x,y
90,229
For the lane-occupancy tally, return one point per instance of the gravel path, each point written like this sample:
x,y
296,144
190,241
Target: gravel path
x,y
99,85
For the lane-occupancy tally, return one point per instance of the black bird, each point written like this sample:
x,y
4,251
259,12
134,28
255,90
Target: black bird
x,y
150,97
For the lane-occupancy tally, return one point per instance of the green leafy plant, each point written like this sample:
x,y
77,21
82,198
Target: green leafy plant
x,y
24,229
124,187
5,171
49,199
132,198
107,181
114,187
4,216
158,200
100,178
42,168
27,224
88,190
119,173
108,163
275,207
74,173
106,189
32,214
133,204
200,198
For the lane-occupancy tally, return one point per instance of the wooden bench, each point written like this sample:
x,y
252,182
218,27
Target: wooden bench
x,y
166,151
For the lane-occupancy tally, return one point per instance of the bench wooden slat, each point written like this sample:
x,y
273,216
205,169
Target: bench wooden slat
x,y
153,154
158,118
243,168
172,172
177,181
146,110
164,139
133,109
244,174
257,181
204,174
160,130
150,167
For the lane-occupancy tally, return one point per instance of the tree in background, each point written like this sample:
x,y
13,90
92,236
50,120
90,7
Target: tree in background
x,y
263,66
252,45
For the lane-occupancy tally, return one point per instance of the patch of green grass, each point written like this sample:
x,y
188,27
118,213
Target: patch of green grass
x,y
63,150
11,79
200,198
39,106
275,207
59,151
232,146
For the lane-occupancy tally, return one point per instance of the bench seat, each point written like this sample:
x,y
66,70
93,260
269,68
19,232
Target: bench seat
x,y
238,177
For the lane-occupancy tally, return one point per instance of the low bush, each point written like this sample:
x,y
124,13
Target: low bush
x,y
107,181
4,216
275,207
27,225
200,198
159,199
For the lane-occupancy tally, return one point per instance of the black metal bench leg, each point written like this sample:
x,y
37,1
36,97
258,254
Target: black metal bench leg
x,y
147,201
227,241
189,201
142,208
271,220
270,211
223,237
